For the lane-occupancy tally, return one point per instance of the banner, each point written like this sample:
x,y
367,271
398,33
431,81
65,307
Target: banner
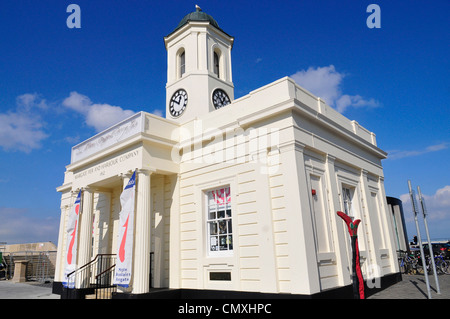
x,y
222,196
126,230
72,240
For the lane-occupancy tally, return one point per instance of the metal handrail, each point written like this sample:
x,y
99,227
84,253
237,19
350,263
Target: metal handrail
x,y
99,277
103,272
100,287
87,271
89,263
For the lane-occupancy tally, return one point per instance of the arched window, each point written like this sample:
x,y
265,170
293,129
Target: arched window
x,y
216,64
182,63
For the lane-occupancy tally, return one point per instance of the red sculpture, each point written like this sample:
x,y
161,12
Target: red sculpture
x,y
358,280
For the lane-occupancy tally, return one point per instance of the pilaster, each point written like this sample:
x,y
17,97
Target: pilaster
x,y
174,241
343,266
369,214
388,233
302,252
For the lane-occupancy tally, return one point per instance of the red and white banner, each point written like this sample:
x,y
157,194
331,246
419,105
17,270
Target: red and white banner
x,y
222,196
126,231
72,240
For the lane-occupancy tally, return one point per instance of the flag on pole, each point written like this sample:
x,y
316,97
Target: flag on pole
x,y
125,241
72,240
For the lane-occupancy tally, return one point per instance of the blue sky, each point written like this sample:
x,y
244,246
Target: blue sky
x,y
57,84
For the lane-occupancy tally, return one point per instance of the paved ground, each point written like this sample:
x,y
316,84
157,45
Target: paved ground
x,y
29,290
411,287
414,287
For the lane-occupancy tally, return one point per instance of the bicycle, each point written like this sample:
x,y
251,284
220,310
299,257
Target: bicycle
x,y
402,261
440,263
408,263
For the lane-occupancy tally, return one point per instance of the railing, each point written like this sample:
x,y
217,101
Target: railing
x,y
85,276
104,286
104,281
150,284
98,275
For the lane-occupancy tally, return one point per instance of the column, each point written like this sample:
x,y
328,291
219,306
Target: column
x,y
85,240
141,266
59,271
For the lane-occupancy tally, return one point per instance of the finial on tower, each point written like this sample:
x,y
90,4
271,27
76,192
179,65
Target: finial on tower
x,y
197,8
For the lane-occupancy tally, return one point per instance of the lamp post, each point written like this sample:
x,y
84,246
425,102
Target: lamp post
x,y
424,212
419,239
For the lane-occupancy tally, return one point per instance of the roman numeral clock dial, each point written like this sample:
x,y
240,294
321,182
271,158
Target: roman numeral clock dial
x,y
178,103
220,99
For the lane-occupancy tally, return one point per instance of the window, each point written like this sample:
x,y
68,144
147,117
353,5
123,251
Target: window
x,y
347,197
319,215
223,276
216,64
220,232
182,63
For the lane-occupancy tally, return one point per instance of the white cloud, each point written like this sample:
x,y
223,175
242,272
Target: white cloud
x,y
18,227
356,101
438,217
437,205
77,102
98,116
27,101
72,139
158,113
23,128
325,83
398,154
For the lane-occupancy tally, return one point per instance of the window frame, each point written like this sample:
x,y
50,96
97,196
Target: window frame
x,y
225,219
216,63
349,211
182,63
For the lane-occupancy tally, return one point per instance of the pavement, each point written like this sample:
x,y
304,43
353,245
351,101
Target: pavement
x,y
411,287
26,290
415,287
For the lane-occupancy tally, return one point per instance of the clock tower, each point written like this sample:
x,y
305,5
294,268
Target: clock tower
x,y
199,78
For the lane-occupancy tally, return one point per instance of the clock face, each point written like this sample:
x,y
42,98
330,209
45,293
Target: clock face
x,y
178,103
220,98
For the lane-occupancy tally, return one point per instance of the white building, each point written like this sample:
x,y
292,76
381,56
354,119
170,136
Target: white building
x,y
232,195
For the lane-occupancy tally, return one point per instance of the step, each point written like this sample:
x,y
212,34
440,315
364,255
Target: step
x,y
100,295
